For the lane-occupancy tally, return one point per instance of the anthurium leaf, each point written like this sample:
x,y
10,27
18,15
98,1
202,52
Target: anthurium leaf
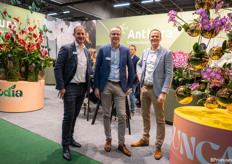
x,y
3,17
18,2
12,2
49,31
224,65
44,28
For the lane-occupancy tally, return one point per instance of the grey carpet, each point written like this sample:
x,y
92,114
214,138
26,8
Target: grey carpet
x,y
47,123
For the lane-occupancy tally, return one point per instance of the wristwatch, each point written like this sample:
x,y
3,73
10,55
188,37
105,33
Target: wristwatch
x,y
164,93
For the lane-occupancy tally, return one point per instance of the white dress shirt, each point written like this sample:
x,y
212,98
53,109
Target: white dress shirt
x,y
150,66
80,75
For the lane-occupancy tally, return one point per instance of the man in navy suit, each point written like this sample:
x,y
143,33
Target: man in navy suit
x,y
110,82
72,73
134,59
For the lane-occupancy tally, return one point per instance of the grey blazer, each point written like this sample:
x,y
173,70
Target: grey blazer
x,y
162,76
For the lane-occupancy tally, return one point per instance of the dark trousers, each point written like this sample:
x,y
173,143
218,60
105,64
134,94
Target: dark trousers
x,y
73,99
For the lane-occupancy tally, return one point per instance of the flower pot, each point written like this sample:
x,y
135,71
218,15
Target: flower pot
x,y
215,53
33,73
194,29
209,34
2,73
13,68
198,60
205,4
211,102
41,74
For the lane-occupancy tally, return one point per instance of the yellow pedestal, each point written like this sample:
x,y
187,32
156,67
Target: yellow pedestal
x,y
201,135
21,96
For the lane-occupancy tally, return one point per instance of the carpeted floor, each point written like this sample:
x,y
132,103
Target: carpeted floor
x,y
47,123
20,146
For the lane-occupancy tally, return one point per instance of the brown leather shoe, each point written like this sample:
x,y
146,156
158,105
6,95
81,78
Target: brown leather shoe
x,y
108,145
131,114
158,153
124,150
140,143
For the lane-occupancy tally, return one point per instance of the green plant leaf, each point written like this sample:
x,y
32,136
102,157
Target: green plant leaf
x,y
208,13
185,27
196,47
224,45
195,20
229,35
12,2
3,16
197,93
18,2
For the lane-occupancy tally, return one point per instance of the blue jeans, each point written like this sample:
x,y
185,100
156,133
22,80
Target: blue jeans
x,y
132,98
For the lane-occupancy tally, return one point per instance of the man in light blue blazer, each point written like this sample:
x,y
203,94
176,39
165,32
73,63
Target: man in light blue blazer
x,y
112,83
155,71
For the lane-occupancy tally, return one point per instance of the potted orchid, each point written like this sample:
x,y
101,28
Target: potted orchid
x,y
181,70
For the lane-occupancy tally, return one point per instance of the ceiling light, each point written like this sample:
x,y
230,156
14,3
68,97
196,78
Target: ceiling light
x,y
52,14
56,1
147,1
121,4
66,12
157,0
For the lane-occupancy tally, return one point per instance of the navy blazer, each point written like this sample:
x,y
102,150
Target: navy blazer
x,y
66,66
135,59
103,64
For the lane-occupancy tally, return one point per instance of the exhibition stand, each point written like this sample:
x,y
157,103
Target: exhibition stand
x,y
21,96
201,135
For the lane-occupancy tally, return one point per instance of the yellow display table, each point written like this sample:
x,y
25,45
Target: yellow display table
x,y
21,96
201,135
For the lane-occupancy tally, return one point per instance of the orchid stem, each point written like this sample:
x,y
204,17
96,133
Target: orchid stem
x,y
181,19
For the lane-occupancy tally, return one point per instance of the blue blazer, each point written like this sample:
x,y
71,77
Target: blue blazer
x,y
135,59
66,66
102,67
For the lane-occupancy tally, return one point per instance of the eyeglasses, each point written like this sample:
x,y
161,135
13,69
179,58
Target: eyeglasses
x,y
116,34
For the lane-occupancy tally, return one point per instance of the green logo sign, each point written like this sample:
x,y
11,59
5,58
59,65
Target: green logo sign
x,y
11,94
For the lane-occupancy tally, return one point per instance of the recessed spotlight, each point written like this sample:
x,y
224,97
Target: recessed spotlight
x,y
147,1
52,14
121,4
66,12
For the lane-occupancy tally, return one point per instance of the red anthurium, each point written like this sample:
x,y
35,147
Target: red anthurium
x,y
17,37
45,53
46,30
9,26
12,22
34,35
23,31
30,29
4,12
17,19
28,22
41,61
34,27
12,30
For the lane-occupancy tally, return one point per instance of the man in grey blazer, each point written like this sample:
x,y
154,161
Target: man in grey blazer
x,y
155,71
72,73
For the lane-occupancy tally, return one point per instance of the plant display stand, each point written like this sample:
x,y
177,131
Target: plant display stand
x,y
171,103
201,135
49,76
21,96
